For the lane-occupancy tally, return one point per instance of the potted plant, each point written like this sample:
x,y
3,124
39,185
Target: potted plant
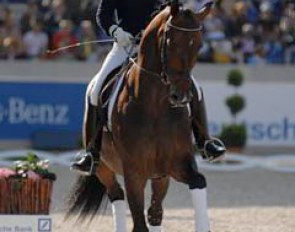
x,y
26,188
234,135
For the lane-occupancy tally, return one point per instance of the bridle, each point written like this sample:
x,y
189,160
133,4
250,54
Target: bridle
x,y
164,76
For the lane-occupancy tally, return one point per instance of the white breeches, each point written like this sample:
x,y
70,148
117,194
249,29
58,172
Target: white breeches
x,y
114,59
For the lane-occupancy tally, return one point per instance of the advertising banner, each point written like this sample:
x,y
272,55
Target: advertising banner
x,y
269,113
26,108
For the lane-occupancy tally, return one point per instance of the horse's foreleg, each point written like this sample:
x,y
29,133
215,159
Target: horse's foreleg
x,y
196,181
155,212
135,185
116,196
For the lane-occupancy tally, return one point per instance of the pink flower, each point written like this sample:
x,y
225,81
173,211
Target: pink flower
x,y
6,172
33,175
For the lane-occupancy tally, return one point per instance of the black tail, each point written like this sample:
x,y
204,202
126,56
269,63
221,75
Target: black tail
x,y
87,199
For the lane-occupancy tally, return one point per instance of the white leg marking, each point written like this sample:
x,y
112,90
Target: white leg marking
x,y
119,215
199,198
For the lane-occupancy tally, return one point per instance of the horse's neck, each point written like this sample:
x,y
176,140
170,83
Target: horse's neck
x,y
150,90
145,75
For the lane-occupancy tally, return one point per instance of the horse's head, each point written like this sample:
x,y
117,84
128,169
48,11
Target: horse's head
x,y
180,39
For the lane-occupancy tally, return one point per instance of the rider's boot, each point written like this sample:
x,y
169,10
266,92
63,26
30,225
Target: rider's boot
x,y
85,162
210,148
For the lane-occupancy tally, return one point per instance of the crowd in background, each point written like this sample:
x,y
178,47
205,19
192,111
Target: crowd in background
x,y
246,31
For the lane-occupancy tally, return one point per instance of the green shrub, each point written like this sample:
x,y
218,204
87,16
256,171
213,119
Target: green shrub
x,y
235,77
235,103
234,135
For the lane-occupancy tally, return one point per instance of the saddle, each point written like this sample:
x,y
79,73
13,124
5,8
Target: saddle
x,y
110,89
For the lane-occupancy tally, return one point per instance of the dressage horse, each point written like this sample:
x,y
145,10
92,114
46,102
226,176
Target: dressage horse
x,y
151,126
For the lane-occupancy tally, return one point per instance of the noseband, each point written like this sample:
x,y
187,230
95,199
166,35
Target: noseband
x,y
164,76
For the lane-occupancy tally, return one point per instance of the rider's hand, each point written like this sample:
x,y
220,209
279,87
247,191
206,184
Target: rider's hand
x,y
123,38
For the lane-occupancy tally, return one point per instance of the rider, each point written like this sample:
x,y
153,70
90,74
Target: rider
x,y
124,20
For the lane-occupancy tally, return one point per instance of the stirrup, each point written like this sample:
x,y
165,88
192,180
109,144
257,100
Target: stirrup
x,y
207,155
92,169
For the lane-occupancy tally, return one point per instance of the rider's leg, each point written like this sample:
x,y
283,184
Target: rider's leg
x,y
93,118
210,148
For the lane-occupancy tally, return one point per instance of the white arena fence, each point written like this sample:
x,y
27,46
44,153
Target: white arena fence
x,y
46,96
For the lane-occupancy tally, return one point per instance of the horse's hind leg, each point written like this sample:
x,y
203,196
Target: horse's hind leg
x,y
155,212
115,194
187,172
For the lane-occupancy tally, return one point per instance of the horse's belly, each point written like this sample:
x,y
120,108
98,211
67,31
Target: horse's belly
x,y
109,155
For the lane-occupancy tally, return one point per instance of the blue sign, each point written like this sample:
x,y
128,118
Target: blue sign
x,y
26,108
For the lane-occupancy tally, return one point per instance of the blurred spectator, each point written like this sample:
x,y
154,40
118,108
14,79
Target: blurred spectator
x,y
247,42
85,34
287,26
31,14
214,28
223,51
258,57
35,41
206,53
10,38
273,50
65,37
53,17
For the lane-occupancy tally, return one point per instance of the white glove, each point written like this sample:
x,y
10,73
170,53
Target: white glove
x,y
122,37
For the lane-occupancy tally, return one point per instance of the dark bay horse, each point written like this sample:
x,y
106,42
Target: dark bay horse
x,y
151,126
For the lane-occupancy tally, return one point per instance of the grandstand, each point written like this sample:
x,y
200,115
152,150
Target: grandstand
x,y
238,31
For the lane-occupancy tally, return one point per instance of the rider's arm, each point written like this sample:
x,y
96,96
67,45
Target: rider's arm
x,y
105,14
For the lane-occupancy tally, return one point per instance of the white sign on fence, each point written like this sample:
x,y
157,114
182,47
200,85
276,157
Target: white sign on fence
x,y
25,223
269,113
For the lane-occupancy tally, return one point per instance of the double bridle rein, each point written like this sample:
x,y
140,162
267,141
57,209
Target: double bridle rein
x,y
164,76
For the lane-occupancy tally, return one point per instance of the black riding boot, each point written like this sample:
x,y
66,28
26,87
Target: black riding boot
x,y
210,148
92,134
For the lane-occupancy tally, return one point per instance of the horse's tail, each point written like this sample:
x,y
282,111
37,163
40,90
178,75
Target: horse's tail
x,y
88,197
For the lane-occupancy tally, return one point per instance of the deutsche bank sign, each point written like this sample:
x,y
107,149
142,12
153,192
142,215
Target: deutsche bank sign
x,y
29,107
269,114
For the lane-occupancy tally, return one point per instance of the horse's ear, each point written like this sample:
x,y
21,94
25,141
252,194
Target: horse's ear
x,y
201,15
174,8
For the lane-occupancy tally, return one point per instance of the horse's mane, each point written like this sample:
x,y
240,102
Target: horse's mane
x,y
152,30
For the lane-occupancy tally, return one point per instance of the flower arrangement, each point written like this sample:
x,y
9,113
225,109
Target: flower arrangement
x,y
34,168
26,188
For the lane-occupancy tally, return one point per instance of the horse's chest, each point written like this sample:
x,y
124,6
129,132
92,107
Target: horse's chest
x,y
158,131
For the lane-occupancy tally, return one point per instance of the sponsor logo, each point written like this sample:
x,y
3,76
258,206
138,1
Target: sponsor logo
x,y
44,225
282,130
18,111
25,223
